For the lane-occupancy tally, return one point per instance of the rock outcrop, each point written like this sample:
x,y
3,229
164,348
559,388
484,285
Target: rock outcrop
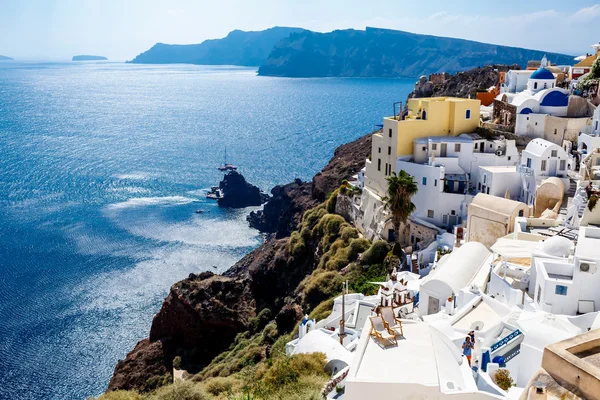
x,y
462,84
202,314
5,58
237,193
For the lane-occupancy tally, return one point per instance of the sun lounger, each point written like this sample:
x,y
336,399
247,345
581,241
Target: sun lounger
x,y
392,323
380,331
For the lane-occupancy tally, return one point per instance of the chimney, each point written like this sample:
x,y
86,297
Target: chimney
x,y
537,391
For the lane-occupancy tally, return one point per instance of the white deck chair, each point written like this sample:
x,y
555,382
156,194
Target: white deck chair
x,y
393,323
380,331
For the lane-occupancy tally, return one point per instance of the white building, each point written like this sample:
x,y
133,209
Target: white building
x,y
515,81
541,159
468,265
589,137
565,283
446,171
497,180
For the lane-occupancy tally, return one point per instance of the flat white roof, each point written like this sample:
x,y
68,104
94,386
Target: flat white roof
x,y
588,243
501,169
482,316
412,361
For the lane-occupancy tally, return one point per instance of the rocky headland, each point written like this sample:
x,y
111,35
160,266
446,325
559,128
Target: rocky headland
x,y
5,58
461,84
204,314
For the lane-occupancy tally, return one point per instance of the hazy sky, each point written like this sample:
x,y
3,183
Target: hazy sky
x,y
121,29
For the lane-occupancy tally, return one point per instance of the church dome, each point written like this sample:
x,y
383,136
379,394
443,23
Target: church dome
x,y
542,73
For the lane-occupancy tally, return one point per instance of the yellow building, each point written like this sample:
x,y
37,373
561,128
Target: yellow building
x,y
435,116
585,63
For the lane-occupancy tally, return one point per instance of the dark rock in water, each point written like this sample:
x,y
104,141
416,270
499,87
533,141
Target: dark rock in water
x,y
85,57
237,193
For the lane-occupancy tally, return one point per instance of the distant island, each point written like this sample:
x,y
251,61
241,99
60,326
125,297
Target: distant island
x,y
237,48
88,58
374,52
5,58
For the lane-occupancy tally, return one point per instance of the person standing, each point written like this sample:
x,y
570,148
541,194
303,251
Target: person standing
x,y
468,347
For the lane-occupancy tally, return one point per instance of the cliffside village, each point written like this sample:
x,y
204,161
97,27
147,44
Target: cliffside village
x,y
497,296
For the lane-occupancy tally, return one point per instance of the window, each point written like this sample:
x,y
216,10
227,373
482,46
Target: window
x,y
435,182
434,146
380,149
528,162
424,148
484,177
555,130
490,145
554,153
596,125
543,165
560,290
563,165
453,212
545,85
429,213
424,181
488,190
390,133
509,157
379,164
457,147
536,124
535,85
445,219
389,150
468,114
479,186
476,145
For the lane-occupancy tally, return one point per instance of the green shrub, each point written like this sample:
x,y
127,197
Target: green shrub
x,y
269,334
358,246
592,202
321,286
359,278
331,201
155,382
376,253
177,362
255,324
503,379
297,245
185,390
349,232
120,395
218,385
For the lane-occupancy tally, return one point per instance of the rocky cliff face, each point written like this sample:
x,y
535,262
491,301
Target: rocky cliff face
x,y
387,53
238,193
462,84
202,314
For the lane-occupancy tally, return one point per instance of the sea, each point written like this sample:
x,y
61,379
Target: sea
x,y
102,167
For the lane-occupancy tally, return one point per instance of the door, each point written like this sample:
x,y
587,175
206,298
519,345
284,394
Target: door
x,y
433,306
444,150
552,167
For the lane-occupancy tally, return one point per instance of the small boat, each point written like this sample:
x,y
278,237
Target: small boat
x,y
215,193
226,166
199,211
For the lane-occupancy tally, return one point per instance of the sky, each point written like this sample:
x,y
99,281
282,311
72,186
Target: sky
x,y
121,29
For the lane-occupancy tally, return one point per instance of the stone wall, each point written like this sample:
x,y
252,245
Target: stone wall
x,y
505,115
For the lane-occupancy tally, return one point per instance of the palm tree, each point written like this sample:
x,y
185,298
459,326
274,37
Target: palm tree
x,y
401,188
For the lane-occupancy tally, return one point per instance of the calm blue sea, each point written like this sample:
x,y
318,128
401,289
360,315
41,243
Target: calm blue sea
x,y
102,166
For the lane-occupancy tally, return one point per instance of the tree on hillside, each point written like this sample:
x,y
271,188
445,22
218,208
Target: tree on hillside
x,y
401,188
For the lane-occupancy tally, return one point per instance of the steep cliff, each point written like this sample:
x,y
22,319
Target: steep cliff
x,y
237,48
387,53
202,314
